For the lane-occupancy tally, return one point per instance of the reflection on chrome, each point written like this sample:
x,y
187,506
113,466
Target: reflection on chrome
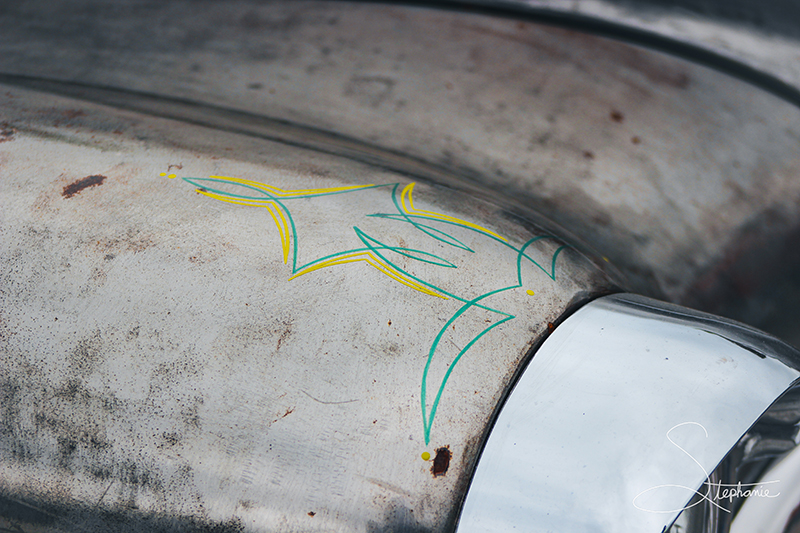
x,y
632,413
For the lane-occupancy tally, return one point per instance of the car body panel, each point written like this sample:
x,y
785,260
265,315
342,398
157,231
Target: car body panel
x,y
270,343
249,247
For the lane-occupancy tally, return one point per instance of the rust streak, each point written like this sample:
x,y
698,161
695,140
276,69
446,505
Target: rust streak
x,y
89,181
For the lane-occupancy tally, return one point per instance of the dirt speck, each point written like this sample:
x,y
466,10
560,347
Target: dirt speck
x,y
617,116
587,154
636,140
7,132
284,335
77,186
442,461
311,513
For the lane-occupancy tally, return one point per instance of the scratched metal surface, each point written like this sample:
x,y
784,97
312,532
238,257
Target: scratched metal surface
x,y
684,177
165,367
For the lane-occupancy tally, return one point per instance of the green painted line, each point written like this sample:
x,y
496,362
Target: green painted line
x,y
378,249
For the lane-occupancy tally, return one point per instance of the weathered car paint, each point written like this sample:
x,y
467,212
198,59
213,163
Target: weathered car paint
x,y
675,171
204,329
685,177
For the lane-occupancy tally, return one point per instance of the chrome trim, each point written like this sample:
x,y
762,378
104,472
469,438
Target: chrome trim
x,y
608,423
773,515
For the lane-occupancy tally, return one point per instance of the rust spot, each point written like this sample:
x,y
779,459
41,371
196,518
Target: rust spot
x,y
588,154
635,140
89,181
200,189
6,132
550,326
617,116
311,513
288,412
117,132
179,166
390,322
441,462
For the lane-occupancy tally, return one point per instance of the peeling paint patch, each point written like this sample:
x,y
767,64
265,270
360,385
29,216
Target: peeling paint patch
x,y
77,186
442,461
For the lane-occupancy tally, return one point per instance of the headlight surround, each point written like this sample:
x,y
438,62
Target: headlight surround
x,y
625,409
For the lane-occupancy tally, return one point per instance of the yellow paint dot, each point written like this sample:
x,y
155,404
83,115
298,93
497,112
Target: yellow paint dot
x,y
163,174
426,456
606,259
530,292
172,176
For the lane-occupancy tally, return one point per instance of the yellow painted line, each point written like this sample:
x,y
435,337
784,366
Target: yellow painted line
x,y
408,206
289,192
375,262
283,230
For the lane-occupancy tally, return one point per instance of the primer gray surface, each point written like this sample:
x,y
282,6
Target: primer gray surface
x,y
684,177
160,371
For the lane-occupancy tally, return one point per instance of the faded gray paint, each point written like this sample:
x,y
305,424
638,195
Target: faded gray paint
x,y
161,373
691,190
